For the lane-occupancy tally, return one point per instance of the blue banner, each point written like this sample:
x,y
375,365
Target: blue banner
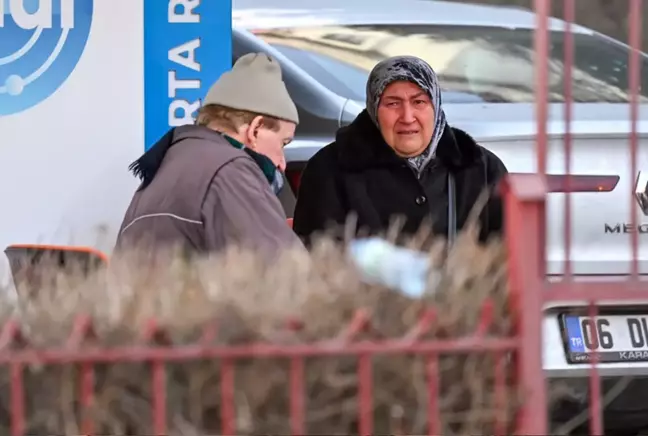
x,y
187,46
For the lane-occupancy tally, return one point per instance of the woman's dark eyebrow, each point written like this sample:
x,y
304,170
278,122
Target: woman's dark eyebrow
x,y
394,97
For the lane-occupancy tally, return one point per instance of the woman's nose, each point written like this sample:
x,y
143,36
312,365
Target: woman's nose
x,y
407,115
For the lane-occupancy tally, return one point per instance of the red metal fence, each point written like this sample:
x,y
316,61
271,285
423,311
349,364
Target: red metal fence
x,y
158,349
526,196
525,220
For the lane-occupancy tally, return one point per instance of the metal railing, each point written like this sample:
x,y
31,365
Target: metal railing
x,y
158,350
526,197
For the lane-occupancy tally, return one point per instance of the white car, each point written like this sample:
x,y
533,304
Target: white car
x,y
484,57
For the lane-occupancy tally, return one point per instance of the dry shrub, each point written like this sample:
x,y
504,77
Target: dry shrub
x,y
252,301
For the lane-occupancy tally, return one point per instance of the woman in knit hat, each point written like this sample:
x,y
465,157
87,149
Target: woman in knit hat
x,y
400,159
212,184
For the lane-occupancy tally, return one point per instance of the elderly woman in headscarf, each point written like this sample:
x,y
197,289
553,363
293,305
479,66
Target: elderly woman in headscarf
x,y
400,158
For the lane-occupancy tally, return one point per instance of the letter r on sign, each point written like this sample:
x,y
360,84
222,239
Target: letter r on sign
x,y
186,14
187,109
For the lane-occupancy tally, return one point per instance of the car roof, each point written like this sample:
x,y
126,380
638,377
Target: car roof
x,y
261,14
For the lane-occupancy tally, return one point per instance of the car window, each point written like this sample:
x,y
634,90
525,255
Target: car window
x,y
474,63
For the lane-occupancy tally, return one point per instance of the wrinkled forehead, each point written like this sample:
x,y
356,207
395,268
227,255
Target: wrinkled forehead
x,y
403,90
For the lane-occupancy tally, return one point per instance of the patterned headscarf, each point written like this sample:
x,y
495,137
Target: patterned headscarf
x,y
420,73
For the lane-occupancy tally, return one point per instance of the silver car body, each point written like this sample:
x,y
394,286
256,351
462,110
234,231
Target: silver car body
x,y
600,142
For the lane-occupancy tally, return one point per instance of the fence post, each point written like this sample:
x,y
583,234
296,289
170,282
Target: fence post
x,y
524,196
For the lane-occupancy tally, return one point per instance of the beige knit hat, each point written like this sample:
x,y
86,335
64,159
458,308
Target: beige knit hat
x,y
254,84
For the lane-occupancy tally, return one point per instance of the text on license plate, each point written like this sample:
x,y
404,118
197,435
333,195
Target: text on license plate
x,y
615,338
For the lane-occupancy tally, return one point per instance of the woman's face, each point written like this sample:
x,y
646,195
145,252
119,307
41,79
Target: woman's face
x,y
406,118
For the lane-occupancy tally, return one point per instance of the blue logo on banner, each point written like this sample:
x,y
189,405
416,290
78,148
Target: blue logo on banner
x,y
41,42
187,46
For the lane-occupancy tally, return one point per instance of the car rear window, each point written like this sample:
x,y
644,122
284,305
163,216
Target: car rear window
x,y
474,63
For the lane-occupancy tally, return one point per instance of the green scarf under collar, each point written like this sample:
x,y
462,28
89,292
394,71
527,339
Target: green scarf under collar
x,y
269,169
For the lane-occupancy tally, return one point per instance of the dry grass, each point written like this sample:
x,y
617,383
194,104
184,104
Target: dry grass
x,y
252,301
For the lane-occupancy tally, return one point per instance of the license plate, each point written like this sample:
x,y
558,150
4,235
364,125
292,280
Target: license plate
x,y
614,338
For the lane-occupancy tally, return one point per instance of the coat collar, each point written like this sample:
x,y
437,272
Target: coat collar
x,y
192,131
361,146
149,163
268,168
147,166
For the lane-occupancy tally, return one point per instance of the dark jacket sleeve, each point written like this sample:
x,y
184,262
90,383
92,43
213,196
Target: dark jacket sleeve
x,y
495,172
319,205
287,199
240,208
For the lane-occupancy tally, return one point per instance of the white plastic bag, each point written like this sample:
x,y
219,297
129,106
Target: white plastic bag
x,y
401,269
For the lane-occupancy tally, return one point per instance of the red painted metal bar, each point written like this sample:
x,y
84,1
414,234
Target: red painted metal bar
x,y
228,413
178,353
569,13
158,389
153,334
82,334
365,394
595,408
583,292
501,397
11,337
524,207
634,80
434,412
297,406
86,397
17,400
541,46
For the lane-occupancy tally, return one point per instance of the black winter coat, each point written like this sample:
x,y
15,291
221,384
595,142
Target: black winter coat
x,y
360,173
